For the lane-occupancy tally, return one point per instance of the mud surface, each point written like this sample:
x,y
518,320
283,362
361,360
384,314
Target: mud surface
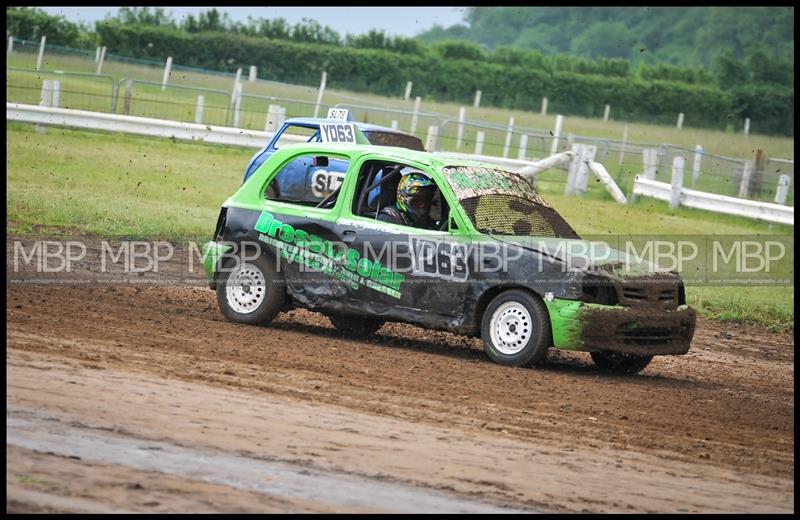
x,y
710,431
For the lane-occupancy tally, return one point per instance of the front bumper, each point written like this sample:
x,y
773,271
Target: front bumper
x,y
606,328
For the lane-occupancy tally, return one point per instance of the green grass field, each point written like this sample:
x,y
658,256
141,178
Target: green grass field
x,y
114,184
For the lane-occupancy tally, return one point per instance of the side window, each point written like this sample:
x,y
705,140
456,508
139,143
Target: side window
x,y
308,180
376,197
296,134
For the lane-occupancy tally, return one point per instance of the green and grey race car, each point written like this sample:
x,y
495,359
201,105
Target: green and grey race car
x,y
497,262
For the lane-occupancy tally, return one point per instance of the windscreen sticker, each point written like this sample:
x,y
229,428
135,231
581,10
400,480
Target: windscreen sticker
x,y
338,133
338,113
470,182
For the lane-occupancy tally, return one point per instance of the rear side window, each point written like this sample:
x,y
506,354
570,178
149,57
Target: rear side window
x,y
296,134
307,179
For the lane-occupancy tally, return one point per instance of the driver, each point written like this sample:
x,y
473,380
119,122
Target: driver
x,y
415,194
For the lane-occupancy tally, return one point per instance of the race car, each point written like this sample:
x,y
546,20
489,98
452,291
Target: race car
x,y
294,178
497,262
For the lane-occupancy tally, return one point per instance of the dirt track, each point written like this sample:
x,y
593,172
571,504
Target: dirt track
x,y
709,431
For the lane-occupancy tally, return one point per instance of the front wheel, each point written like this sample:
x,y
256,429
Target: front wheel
x,y
619,363
360,327
251,291
516,329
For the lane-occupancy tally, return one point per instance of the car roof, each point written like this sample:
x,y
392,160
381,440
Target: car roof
x,y
394,153
315,121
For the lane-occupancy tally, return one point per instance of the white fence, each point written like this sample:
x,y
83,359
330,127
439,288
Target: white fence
x,y
716,203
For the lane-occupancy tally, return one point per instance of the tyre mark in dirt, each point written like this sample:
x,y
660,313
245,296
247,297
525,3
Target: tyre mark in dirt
x,y
712,406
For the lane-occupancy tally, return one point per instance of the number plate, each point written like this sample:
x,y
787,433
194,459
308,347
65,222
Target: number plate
x,y
338,133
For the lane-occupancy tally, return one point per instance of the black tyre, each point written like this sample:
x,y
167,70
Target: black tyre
x,y
251,291
618,363
516,329
360,327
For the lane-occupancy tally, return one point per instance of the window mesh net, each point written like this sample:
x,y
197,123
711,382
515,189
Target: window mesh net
x,y
503,214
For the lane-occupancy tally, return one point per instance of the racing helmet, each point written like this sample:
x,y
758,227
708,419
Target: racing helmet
x,y
415,193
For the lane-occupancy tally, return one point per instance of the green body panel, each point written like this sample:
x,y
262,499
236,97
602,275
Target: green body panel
x,y
212,251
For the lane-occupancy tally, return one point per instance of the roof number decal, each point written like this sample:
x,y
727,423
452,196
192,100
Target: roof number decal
x,y
337,133
338,113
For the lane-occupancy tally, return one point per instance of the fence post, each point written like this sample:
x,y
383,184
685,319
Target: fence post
x,y
523,144
650,160
394,124
274,118
606,113
698,157
415,115
624,142
680,121
557,133
41,54
783,189
677,181
582,175
570,140
45,100
509,134
430,141
322,82
126,105
744,184
758,172
253,73
100,61
96,54
544,106
55,100
747,126
477,101
167,69
10,44
460,129
479,143
572,169
408,90
114,96
198,111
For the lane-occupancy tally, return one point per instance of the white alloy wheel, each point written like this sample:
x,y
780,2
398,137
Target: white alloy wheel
x,y
511,328
245,288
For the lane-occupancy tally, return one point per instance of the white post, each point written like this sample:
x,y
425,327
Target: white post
x,y
523,144
605,179
557,133
102,58
677,181
544,106
198,113
167,69
460,129
680,121
407,95
55,100
415,116
783,189
253,71
624,142
582,177
745,183
605,114
698,157
477,101
430,142
479,143
272,118
747,126
323,80
45,100
237,105
650,160
509,133
574,166
394,124
10,44
41,54
96,54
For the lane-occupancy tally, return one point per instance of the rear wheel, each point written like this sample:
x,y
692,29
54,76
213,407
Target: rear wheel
x,y
618,363
516,329
251,291
357,326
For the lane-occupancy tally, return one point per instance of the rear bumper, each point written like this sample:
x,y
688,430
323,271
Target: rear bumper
x,y
603,328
